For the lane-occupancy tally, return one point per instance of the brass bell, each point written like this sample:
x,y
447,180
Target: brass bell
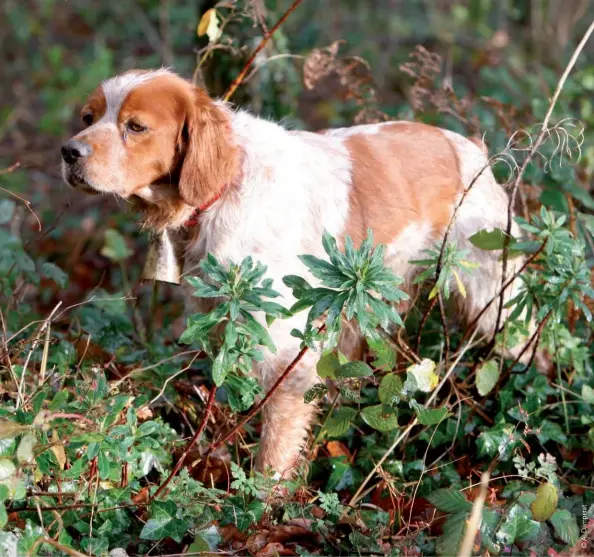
x,y
165,257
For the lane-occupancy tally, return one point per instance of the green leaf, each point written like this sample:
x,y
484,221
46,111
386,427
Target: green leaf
x,y
198,546
390,389
385,355
3,514
103,465
565,526
164,523
487,377
24,453
588,394
115,247
428,416
490,239
7,207
317,391
421,377
339,423
354,369
448,543
518,526
328,366
545,503
449,501
381,417
54,273
7,468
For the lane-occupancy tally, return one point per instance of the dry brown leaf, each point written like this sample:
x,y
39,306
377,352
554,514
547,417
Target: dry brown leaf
x,y
58,450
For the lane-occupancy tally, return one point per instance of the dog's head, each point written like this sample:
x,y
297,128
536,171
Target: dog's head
x,y
151,128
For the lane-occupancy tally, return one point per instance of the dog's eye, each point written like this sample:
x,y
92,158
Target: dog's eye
x,y
135,127
87,118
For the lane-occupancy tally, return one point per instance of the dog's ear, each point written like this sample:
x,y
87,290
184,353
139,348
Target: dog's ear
x,y
210,159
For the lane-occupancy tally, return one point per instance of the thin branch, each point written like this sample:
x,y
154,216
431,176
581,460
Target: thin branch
x,y
192,442
239,79
539,140
265,400
474,521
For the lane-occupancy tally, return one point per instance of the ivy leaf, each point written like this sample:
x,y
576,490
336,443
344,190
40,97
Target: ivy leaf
x,y
428,416
390,389
487,377
565,526
381,417
339,423
328,366
354,369
448,543
545,503
490,239
449,501
164,523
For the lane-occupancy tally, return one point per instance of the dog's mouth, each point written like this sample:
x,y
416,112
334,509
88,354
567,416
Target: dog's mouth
x,y
75,177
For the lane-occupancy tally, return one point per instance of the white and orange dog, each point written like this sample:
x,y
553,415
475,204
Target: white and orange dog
x,y
268,192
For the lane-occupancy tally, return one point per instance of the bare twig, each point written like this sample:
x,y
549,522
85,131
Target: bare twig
x,y
539,140
192,442
239,79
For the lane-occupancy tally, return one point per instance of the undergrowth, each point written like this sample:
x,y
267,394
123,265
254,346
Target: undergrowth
x,y
119,429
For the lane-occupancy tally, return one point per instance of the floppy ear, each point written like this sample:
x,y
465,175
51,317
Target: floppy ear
x,y
210,159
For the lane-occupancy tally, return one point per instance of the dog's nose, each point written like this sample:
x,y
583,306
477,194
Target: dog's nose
x,y
74,150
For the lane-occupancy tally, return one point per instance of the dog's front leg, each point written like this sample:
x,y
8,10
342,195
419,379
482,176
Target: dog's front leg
x,y
286,416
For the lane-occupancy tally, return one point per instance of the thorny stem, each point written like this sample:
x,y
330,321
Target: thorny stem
x,y
192,442
238,80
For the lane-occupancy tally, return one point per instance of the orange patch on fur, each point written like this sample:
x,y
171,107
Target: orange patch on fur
x,y
404,173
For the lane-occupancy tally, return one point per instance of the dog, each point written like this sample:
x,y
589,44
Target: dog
x,y
252,187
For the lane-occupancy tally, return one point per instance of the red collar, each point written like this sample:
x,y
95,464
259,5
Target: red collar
x,y
193,218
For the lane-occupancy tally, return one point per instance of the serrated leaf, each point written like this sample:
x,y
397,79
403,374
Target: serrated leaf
x,y
54,272
390,389
565,526
421,377
339,423
518,526
381,417
448,543
459,283
24,453
449,501
545,503
328,366
354,369
317,391
490,239
429,416
7,207
385,355
487,377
